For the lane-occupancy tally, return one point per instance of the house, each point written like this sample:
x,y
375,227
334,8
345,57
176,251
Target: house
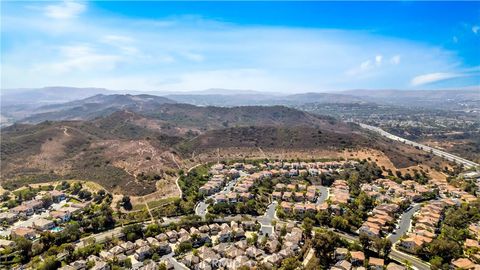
x,y
463,263
299,208
128,247
225,235
79,264
277,195
240,234
413,242
254,252
310,196
142,253
287,196
100,265
164,248
42,224
61,216
57,196
105,255
172,236
344,264
116,250
6,243
22,210
204,229
357,258
36,205
298,196
272,246
394,266
280,186
286,206
214,228
310,207
369,230
8,217
190,260
273,260
376,263
340,254
162,237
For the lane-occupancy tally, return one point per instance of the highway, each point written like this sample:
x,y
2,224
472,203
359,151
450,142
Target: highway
x,y
440,153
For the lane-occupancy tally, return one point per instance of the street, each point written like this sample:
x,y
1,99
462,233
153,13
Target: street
x,y
324,192
266,219
442,154
202,206
404,224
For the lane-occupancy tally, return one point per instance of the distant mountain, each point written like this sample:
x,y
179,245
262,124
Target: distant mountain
x,y
434,99
46,95
96,106
262,98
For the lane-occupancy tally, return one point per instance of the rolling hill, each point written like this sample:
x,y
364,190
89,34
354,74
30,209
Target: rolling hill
x,y
147,138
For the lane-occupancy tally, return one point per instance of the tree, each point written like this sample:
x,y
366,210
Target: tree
x,y
47,201
24,246
126,203
383,246
133,232
324,244
445,249
436,263
308,226
49,263
365,241
323,217
291,263
339,222
152,230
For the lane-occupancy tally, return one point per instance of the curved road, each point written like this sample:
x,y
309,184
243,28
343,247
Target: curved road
x,y
404,224
440,153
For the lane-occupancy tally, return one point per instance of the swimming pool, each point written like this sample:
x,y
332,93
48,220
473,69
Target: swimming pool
x,y
56,229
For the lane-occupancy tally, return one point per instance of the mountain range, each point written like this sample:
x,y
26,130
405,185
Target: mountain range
x,y
123,142
67,103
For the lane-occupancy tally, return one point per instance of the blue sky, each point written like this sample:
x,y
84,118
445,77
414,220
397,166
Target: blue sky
x,y
269,46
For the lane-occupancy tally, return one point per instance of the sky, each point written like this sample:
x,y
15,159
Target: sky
x,y
268,46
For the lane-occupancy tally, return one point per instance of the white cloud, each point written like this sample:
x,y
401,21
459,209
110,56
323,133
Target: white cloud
x,y
434,77
66,10
395,60
475,29
195,57
82,58
191,54
366,65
